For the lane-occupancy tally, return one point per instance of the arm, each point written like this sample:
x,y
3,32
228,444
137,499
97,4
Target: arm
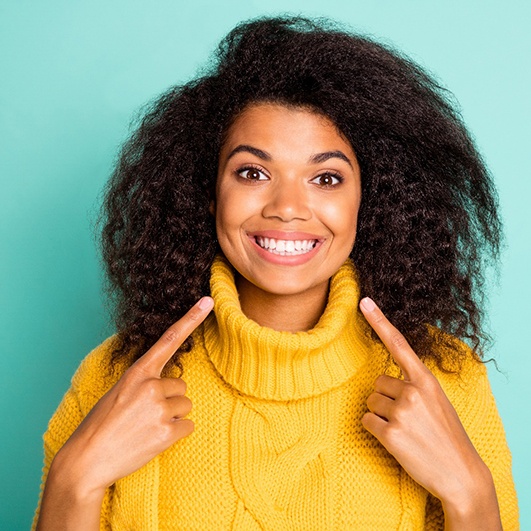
x,y
416,422
476,407
140,417
70,413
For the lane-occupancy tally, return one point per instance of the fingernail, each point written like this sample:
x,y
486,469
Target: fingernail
x,y
206,303
368,304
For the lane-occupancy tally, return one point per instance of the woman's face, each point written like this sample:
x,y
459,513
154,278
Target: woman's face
x,y
287,198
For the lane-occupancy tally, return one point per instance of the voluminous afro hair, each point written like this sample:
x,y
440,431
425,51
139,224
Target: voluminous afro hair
x,y
428,221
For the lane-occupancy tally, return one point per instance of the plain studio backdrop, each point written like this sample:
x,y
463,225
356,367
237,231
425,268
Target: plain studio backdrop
x,y
72,76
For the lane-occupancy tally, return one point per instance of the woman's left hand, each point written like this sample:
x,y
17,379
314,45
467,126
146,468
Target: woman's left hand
x,y
418,425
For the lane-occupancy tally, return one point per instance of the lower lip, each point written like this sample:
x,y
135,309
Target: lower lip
x,y
278,259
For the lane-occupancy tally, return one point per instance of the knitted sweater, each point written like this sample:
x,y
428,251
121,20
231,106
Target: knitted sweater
x,y
278,443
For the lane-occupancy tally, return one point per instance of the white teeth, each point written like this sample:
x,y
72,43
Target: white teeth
x,y
285,247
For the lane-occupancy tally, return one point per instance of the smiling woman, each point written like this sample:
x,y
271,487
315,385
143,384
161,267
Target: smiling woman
x,y
309,174
287,199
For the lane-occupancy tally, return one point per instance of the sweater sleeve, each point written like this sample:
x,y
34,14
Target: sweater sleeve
x,y
471,395
89,384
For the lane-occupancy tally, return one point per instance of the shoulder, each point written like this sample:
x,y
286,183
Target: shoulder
x,y
97,373
94,377
461,370
468,388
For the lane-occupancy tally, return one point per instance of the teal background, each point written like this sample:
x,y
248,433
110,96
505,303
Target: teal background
x,y
72,74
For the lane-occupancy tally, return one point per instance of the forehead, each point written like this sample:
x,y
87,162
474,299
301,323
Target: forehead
x,y
283,128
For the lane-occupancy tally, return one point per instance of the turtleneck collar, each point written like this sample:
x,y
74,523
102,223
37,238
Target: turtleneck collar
x,y
268,364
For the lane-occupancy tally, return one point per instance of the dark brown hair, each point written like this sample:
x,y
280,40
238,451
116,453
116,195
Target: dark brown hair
x,y
428,222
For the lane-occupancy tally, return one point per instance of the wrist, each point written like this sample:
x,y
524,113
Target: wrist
x,y
69,477
69,503
475,506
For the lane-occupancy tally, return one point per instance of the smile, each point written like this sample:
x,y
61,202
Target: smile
x,y
285,247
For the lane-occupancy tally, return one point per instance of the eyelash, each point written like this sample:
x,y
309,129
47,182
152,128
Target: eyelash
x,y
339,178
332,174
249,167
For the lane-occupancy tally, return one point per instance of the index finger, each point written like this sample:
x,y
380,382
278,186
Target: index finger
x,y
393,339
154,360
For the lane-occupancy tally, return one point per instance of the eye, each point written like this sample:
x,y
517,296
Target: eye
x,y
252,174
327,180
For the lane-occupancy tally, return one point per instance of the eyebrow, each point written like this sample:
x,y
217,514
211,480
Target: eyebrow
x,y
264,155
323,157
314,159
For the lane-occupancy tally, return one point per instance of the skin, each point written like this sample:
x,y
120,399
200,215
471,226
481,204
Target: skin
x,y
287,193
140,417
286,171
418,425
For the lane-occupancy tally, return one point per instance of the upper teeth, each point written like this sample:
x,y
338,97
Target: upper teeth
x,y
285,247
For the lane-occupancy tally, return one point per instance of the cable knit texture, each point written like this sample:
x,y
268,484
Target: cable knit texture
x,y
278,443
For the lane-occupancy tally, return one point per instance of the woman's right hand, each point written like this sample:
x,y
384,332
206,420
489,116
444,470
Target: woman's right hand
x,y
137,419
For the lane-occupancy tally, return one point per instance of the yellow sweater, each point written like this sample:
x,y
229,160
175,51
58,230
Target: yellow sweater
x,y
278,444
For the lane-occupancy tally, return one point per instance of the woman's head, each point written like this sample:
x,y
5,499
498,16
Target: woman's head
x,y
287,198
427,213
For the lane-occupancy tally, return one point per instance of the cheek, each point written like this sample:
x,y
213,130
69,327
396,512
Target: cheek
x,y
237,204
341,218
232,209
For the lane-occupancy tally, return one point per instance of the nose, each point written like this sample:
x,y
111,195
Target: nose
x,y
287,201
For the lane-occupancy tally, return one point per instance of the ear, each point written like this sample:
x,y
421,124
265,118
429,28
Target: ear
x,y
212,207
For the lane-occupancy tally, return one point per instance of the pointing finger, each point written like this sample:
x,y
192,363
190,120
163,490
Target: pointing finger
x,y
391,337
154,360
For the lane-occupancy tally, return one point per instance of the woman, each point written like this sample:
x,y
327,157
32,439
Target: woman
x,y
309,170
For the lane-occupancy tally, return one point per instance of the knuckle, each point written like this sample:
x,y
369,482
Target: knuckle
x,y
184,428
149,388
160,412
148,396
128,378
366,420
174,386
370,402
165,434
397,339
170,336
392,435
187,405
399,416
379,383
182,386
194,314
122,397
379,318
431,384
411,396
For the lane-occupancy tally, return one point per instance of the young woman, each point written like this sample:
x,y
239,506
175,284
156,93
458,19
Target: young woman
x,y
319,187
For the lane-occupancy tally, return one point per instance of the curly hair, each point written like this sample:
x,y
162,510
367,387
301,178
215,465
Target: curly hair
x,y
428,223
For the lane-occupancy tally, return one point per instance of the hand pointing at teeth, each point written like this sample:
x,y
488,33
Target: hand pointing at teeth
x,y
140,417
418,425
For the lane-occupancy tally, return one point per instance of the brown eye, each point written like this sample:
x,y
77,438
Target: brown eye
x,y
252,174
327,180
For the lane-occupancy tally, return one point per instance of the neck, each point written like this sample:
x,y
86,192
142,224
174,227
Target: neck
x,y
277,364
284,313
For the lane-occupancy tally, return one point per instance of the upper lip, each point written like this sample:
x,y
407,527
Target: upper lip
x,y
284,235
